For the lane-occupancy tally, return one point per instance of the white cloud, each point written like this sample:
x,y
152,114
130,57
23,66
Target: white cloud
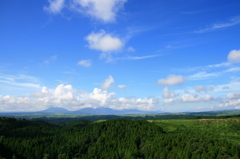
x,y
169,100
44,92
101,96
64,92
69,98
104,42
85,63
142,104
235,103
202,75
234,95
233,21
191,98
55,6
233,69
122,86
137,57
172,80
232,86
200,88
208,97
104,10
195,98
219,65
107,83
212,66
168,93
234,56
20,80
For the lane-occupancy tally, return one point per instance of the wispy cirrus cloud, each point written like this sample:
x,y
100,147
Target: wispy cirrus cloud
x,y
204,68
231,22
233,69
20,80
51,59
136,57
202,75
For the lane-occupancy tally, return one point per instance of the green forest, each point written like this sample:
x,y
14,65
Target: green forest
x,y
120,139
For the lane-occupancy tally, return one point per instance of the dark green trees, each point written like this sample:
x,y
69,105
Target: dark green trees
x,y
118,139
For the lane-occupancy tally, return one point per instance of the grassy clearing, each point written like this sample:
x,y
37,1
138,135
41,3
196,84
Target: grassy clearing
x,y
228,129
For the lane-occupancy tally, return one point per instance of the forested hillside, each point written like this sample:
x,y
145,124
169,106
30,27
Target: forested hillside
x,y
116,139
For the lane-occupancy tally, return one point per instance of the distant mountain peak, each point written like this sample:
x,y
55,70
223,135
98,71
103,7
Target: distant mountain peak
x,y
96,111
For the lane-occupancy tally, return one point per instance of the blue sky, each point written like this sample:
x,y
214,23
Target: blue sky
x,y
173,56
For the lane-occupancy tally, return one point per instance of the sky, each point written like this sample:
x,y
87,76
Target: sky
x,y
152,55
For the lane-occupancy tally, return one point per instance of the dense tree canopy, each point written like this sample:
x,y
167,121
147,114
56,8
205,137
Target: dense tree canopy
x,y
126,139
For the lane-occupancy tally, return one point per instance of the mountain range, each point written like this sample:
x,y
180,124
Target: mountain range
x,y
96,111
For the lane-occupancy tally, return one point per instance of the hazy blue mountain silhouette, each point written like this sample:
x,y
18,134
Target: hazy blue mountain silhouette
x,y
100,110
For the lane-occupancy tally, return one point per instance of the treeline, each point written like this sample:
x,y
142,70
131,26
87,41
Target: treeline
x,y
63,120
113,139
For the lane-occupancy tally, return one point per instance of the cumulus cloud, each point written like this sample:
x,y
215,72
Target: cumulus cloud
x,y
55,6
169,100
64,92
234,56
200,88
234,95
146,103
168,93
104,10
104,42
85,63
101,95
69,98
191,98
235,103
44,92
172,80
208,97
107,83
195,98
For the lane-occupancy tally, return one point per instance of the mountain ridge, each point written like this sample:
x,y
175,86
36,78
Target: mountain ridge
x,y
97,111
